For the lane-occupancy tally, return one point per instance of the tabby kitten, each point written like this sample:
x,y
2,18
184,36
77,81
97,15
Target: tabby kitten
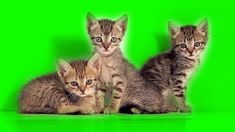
x,y
71,90
129,88
175,67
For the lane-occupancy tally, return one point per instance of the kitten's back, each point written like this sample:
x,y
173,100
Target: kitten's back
x,y
37,93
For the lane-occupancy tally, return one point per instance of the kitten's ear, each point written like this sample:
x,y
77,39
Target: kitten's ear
x,y
203,27
173,29
91,21
122,23
95,62
63,68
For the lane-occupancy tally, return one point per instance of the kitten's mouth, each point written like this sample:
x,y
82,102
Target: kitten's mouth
x,y
82,95
106,52
192,56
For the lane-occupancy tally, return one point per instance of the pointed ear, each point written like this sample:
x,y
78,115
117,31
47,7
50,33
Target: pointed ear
x,y
95,62
173,29
63,68
91,21
203,27
122,23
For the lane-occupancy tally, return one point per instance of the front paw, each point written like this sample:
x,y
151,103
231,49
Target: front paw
x,y
108,110
164,109
89,112
185,109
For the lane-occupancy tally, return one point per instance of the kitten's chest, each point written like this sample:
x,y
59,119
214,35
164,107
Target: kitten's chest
x,y
190,69
107,71
105,74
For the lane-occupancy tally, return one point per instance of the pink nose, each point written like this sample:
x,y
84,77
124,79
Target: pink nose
x,y
190,52
106,46
82,90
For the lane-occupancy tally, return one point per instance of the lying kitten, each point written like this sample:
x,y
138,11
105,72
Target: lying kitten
x,y
72,90
129,88
175,67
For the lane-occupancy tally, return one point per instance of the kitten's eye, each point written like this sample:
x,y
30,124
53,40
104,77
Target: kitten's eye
x,y
74,83
182,46
89,82
98,39
197,44
113,39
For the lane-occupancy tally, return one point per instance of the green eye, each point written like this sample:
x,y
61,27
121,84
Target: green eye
x,y
74,83
113,39
182,46
89,82
98,39
197,44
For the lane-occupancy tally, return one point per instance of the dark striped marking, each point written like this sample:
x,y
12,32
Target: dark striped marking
x,y
178,81
102,90
118,90
180,74
179,95
115,75
117,97
106,25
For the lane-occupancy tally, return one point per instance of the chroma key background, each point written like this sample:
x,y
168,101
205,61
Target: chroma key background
x,y
34,34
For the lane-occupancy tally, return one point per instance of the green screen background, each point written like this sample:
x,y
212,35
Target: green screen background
x,y
34,34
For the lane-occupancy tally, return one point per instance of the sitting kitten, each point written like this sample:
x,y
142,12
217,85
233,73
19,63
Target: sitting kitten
x,y
72,90
129,88
175,67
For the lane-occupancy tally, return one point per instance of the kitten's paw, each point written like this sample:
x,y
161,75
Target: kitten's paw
x,y
135,110
89,112
164,109
108,110
185,109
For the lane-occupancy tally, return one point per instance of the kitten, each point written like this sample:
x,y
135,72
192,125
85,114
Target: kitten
x,y
129,88
71,90
175,67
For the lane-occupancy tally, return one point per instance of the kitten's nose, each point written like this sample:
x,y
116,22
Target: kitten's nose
x,y
190,52
82,90
106,46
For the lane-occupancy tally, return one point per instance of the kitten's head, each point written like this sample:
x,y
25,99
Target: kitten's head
x,y
106,35
189,41
80,77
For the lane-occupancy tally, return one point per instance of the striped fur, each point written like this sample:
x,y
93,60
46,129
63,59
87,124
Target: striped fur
x,y
128,88
55,93
175,67
106,26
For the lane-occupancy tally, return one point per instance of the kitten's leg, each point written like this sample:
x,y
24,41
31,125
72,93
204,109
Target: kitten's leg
x,y
66,107
119,87
39,110
100,94
170,100
178,87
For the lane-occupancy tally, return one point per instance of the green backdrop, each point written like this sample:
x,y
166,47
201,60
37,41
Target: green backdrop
x,y
34,34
